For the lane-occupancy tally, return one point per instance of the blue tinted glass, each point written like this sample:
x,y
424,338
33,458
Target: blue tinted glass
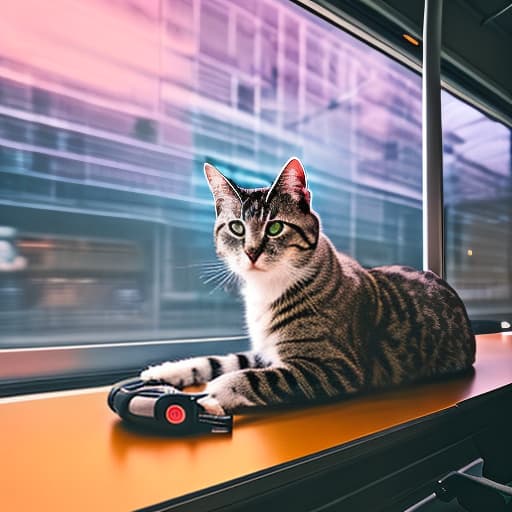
x,y
106,219
478,209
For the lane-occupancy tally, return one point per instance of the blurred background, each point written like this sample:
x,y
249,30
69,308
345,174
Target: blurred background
x,y
108,110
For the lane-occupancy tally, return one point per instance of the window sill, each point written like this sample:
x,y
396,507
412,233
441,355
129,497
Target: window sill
x,y
68,451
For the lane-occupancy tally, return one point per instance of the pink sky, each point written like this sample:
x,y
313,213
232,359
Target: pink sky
x,y
103,45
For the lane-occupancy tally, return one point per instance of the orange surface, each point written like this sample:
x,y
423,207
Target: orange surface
x,y
70,452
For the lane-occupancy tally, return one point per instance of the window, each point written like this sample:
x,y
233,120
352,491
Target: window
x,y
478,209
102,142
215,29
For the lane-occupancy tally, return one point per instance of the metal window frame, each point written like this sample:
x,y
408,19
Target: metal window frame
x,y
37,369
432,140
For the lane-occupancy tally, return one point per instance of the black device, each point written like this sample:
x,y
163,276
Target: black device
x,y
159,406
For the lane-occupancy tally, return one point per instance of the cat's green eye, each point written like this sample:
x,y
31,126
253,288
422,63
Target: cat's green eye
x,y
275,228
237,228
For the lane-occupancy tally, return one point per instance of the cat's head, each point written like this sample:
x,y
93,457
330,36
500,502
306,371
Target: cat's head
x,y
266,230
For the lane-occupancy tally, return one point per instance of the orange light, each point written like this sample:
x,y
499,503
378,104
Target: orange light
x,y
33,244
411,39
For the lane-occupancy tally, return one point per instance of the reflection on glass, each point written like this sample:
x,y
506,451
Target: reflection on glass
x,y
478,209
102,141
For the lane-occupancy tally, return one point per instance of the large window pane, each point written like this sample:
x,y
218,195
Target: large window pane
x,y
478,209
105,217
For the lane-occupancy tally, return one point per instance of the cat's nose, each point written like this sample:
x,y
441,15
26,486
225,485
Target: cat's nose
x,y
253,254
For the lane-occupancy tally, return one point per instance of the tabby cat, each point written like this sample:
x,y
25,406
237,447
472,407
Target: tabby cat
x,y
320,324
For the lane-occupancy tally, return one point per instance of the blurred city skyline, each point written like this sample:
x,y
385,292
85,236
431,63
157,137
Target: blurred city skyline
x,y
108,110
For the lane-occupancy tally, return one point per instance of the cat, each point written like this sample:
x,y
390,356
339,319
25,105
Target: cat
x,y
321,326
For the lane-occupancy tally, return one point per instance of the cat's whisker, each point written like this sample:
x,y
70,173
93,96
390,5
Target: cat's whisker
x,y
213,269
210,267
212,272
212,264
218,275
235,279
224,281
214,289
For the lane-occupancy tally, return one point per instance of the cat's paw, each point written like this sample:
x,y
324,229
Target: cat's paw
x,y
173,373
226,394
211,405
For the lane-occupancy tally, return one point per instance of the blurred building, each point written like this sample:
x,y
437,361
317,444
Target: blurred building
x,y
108,110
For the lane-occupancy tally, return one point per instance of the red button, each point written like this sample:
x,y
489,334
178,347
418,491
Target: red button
x,y
175,414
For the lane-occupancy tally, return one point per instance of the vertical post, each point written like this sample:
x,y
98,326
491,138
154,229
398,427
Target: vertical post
x,y
509,235
433,248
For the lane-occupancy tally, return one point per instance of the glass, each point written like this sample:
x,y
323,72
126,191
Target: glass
x,y
105,217
478,210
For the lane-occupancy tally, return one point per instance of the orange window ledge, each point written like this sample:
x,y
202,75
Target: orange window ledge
x,y
67,451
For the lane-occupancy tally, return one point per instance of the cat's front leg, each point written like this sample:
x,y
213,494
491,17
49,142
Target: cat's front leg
x,y
243,389
197,370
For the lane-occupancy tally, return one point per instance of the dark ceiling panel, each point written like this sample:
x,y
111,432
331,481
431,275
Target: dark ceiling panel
x,y
486,48
487,7
484,51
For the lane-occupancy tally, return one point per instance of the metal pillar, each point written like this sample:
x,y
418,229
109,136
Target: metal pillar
x,y
433,248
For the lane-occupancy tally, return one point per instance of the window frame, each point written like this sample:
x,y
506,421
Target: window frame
x,y
56,367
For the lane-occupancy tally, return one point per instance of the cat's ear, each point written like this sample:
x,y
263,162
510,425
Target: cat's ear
x,y
224,190
292,180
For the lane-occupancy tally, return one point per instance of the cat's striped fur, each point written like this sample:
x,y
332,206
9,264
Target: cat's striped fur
x,y
320,324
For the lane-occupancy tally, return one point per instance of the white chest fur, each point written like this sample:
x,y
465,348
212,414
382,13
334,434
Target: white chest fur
x,y
258,317
259,293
